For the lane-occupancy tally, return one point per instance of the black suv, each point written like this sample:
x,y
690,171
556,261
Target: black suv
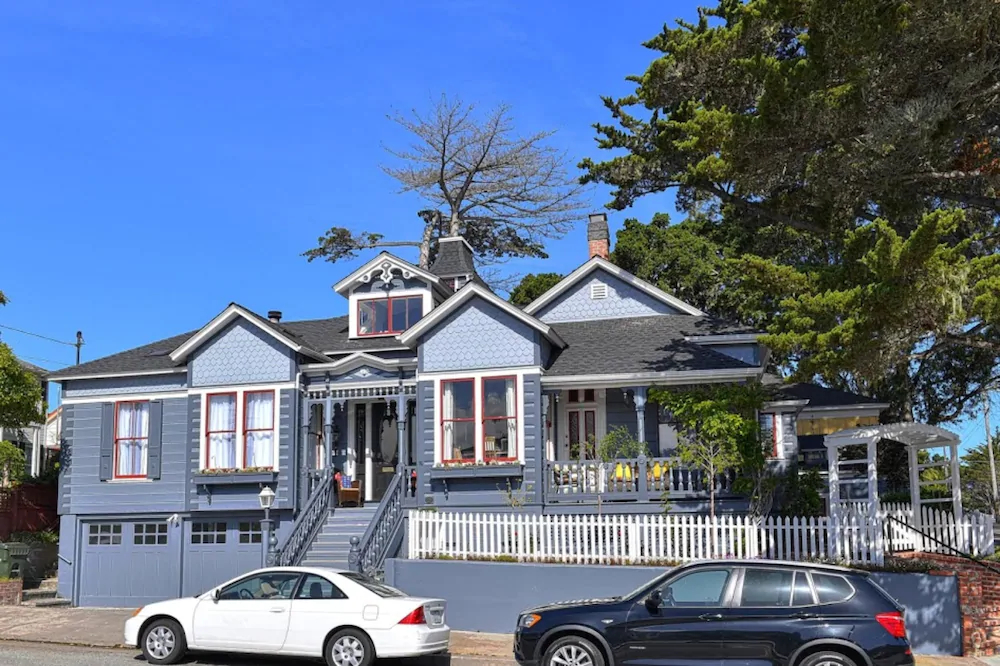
x,y
746,613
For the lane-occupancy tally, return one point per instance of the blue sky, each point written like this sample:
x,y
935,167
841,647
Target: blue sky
x,y
161,159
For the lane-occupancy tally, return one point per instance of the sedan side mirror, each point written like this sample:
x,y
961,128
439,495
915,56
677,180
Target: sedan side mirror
x,y
654,601
216,593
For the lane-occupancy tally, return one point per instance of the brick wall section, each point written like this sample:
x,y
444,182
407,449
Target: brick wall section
x,y
10,593
978,601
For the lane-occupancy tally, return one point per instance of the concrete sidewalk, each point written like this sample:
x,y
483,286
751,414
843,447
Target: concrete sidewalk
x,y
95,627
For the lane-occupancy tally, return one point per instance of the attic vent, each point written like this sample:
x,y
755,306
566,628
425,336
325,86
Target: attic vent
x,y
598,290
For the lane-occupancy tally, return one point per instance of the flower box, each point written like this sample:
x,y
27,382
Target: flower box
x,y
476,471
229,478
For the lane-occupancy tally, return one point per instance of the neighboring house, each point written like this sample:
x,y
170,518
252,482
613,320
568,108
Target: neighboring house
x,y
431,392
31,439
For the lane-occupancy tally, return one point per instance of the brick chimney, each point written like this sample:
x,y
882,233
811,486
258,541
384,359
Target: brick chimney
x,y
598,238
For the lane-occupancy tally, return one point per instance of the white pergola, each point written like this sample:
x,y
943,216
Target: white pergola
x,y
916,437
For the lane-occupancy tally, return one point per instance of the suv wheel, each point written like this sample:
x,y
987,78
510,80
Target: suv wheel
x,y
573,651
827,658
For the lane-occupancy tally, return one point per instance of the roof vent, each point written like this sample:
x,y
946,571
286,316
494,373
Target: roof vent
x,y
598,291
274,316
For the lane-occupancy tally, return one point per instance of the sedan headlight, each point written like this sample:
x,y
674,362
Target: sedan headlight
x,y
528,621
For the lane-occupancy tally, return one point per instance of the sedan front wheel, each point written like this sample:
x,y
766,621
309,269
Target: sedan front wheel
x,y
349,647
163,642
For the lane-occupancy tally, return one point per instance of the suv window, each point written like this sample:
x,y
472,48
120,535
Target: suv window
x,y
698,588
802,594
766,588
832,589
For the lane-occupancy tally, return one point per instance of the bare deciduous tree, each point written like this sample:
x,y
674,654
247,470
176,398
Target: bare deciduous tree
x,y
505,193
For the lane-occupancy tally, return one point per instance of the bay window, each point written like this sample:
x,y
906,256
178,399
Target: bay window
x,y
131,439
240,430
258,429
220,435
381,316
479,420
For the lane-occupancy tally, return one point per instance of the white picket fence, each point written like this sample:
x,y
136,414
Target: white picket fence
x,y
638,539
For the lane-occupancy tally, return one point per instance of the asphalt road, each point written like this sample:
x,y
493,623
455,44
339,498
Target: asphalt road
x,y
34,654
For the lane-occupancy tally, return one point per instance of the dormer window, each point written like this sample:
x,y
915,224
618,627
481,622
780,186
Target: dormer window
x,y
384,316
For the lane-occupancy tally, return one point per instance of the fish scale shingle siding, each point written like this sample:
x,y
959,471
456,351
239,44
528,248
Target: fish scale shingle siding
x,y
241,354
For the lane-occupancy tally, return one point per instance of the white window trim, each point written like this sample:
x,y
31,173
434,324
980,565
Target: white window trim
x,y
355,297
599,404
478,377
240,423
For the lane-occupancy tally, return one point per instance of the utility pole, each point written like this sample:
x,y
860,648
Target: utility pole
x,y
79,343
989,445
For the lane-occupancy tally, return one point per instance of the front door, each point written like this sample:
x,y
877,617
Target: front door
x,y
250,615
684,629
384,447
582,432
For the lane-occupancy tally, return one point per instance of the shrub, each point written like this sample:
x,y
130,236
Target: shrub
x,y
619,443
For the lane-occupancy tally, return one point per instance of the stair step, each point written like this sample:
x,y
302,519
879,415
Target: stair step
x,y
48,603
49,584
39,593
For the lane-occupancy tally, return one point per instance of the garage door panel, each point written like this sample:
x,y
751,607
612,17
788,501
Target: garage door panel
x,y
117,571
217,551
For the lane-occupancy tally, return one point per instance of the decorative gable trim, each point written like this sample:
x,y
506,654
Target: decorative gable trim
x,y
381,267
467,293
360,359
623,275
229,315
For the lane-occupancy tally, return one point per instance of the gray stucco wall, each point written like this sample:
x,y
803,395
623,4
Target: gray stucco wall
x,y
241,354
479,594
623,300
81,490
479,600
85,388
478,335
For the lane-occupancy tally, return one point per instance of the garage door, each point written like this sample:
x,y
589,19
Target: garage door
x,y
217,550
128,564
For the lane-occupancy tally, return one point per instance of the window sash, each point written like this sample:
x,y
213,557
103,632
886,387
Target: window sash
x,y
506,423
240,430
390,315
131,439
220,431
448,421
488,424
258,429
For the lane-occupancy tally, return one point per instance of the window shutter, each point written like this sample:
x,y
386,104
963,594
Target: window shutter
x,y
155,439
107,441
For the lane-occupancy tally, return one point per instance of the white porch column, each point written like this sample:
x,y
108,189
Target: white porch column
x,y
639,397
873,501
915,502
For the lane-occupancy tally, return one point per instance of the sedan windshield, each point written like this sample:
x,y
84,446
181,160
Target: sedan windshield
x,y
381,590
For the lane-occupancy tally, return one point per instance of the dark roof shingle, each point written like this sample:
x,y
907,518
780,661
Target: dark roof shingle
x,y
819,396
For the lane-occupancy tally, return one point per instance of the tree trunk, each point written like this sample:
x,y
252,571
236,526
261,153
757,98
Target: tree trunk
x,y
425,246
455,224
711,493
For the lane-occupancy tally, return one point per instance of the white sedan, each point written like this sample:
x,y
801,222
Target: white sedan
x,y
341,616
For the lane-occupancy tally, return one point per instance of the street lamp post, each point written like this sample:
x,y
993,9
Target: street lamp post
x,y
266,498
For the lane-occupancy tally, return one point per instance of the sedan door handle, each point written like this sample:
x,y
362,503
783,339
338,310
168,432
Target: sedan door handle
x,y
278,610
710,616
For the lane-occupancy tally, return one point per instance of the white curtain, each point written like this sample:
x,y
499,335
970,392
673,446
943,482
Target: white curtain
x,y
449,427
131,435
260,429
512,422
222,431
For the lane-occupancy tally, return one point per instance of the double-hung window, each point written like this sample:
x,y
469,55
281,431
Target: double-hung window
x,y
239,431
131,439
381,316
220,435
258,429
479,420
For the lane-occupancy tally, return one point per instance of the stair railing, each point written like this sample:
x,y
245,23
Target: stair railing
x,y
368,554
309,522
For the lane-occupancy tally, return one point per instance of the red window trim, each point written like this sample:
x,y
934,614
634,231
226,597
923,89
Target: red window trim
x,y
114,443
246,430
208,433
482,405
390,299
470,380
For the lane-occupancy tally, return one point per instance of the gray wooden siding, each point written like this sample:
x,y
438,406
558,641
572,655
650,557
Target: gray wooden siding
x,y
67,555
478,335
534,438
86,388
425,437
623,300
83,493
241,354
622,413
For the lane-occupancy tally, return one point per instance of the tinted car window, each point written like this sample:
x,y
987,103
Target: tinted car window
x,y
698,588
263,586
766,588
831,589
317,587
381,590
802,594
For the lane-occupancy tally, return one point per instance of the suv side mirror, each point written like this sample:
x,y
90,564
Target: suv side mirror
x,y
654,601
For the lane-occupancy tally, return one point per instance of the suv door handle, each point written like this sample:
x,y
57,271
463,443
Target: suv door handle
x,y
710,616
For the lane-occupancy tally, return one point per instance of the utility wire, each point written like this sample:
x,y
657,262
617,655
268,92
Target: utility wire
x,y
37,335
61,364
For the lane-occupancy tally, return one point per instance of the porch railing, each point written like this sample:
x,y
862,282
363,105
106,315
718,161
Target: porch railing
x,y
309,522
630,479
370,552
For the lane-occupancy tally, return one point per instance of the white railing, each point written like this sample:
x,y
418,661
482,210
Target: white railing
x,y
651,539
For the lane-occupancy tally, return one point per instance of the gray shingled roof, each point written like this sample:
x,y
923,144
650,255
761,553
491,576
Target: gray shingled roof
x,y
819,396
453,258
642,344
33,369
